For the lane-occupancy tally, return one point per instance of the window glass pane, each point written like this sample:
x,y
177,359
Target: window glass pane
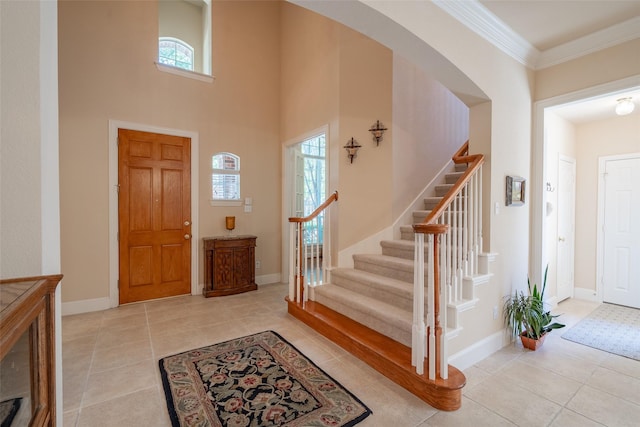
x,y
175,52
226,186
226,161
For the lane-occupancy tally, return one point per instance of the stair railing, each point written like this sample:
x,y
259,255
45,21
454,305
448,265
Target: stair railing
x,y
308,257
453,232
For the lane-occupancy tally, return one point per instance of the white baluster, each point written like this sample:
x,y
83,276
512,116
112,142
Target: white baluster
x,y
292,260
418,331
444,371
431,321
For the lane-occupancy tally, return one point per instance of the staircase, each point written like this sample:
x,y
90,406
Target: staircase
x,y
378,291
369,309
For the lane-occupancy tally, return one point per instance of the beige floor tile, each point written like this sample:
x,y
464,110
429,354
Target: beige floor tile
x,y
513,402
142,408
70,418
605,408
81,345
112,337
391,405
123,321
113,383
568,418
124,311
562,364
79,325
544,382
621,364
620,385
121,355
470,414
75,372
474,376
500,358
111,375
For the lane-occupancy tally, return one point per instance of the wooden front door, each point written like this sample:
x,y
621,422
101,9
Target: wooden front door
x,y
154,214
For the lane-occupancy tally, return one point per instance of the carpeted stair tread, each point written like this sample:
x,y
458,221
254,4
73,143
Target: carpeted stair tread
x,y
385,318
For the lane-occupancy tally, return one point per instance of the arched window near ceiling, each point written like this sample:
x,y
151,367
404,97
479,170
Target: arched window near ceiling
x,y
175,52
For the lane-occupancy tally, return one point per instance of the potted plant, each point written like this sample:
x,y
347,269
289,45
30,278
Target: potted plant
x,y
526,317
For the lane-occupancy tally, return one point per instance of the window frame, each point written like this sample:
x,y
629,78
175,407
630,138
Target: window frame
x,y
236,171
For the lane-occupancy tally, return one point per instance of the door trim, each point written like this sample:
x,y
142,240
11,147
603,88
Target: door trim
x,y
114,265
602,161
287,177
538,200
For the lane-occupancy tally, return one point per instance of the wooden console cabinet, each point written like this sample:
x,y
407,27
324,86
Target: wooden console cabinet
x,y
27,349
229,265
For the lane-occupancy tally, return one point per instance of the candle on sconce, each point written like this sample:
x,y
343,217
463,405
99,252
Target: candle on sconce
x,y
230,222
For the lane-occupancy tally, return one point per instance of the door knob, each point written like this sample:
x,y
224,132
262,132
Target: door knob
x,y
187,223
187,236
561,239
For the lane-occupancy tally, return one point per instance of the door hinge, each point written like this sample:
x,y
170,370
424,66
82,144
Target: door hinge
x,y
118,283
118,236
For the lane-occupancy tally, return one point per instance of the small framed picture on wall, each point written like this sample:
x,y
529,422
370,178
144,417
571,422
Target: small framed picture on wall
x,y
515,191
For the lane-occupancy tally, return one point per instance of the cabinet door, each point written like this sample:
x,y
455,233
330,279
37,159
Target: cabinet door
x,y
223,268
242,265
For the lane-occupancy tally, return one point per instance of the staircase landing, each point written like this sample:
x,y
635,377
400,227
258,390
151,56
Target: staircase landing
x,y
385,355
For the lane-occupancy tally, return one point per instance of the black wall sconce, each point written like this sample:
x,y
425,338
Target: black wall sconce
x,y
377,129
352,148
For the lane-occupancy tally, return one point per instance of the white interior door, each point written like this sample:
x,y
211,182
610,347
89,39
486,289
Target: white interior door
x,y
566,188
621,231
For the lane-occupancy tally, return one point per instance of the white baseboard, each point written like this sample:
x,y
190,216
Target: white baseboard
x,y
475,353
98,304
85,306
268,278
585,294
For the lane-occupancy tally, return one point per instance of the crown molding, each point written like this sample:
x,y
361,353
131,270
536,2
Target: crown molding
x,y
608,37
480,20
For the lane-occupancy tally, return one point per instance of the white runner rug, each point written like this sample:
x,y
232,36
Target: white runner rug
x,y
612,328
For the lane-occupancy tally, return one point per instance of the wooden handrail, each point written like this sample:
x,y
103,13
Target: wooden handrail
x,y
330,199
474,161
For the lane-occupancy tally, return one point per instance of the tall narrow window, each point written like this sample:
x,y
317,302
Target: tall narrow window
x,y
175,52
313,153
225,177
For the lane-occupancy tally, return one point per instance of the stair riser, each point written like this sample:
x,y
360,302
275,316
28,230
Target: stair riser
x,y
452,178
388,271
441,190
404,302
402,335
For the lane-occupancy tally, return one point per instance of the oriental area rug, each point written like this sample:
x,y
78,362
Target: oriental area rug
x,y
257,380
611,328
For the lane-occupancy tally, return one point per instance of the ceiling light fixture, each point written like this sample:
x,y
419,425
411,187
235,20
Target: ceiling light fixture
x,y
625,106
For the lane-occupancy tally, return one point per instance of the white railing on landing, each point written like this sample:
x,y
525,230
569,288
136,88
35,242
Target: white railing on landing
x,y
309,262
453,240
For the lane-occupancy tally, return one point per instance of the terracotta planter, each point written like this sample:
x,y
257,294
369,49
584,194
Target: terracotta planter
x,y
532,344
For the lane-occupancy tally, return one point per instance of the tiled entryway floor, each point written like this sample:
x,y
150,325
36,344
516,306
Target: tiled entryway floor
x,y
111,375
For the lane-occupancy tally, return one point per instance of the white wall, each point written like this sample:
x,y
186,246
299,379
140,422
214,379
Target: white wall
x,y
29,173
20,149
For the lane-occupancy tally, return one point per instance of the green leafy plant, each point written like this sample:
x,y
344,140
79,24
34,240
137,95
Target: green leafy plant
x,y
525,314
